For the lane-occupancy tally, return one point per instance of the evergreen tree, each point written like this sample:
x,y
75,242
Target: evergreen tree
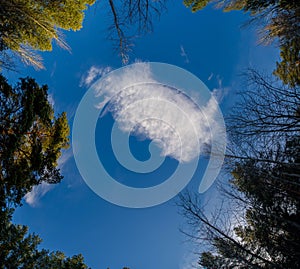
x,y
288,69
278,20
269,238
18,249
260,225
31,139
28,25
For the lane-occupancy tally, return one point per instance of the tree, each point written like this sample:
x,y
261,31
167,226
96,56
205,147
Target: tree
x,y
131,19
29,25
266,235
196,5
31,139
253,6
278,20
288,70
259,224
273,217
18,249
267,109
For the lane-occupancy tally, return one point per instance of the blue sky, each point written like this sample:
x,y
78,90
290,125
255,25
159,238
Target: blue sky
x,y
70,217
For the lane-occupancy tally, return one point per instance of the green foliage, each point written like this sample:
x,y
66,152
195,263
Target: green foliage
x,y
269,186
208,260
31,139
278,20
27,25
18,249
288,70
269,237
196,5
273,218
259,223
253,6
58,259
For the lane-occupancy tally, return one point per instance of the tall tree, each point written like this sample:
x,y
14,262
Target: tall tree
x,y
19,249
260,223
288,69
31,139
29,25
278,20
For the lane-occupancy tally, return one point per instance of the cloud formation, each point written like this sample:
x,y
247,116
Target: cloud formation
x,y
92,74
183,54
51,100
32,198
220,92
142,105
210,76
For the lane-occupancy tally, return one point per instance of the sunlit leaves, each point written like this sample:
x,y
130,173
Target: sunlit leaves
x,y
28,25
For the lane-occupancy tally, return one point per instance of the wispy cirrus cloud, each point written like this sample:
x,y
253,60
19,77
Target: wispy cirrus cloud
x,y
92,74
220,91
51,100
184,55
32,198
64,158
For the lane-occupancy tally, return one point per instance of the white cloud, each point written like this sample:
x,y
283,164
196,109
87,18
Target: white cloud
x,y
65,156
51,100
158,112
53,69
183,54
220,92
92,74
32,198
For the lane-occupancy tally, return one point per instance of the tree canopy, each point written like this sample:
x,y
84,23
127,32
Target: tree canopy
x,y
278,20
19,249
268,235
31,139
31,25
259,223
264,169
